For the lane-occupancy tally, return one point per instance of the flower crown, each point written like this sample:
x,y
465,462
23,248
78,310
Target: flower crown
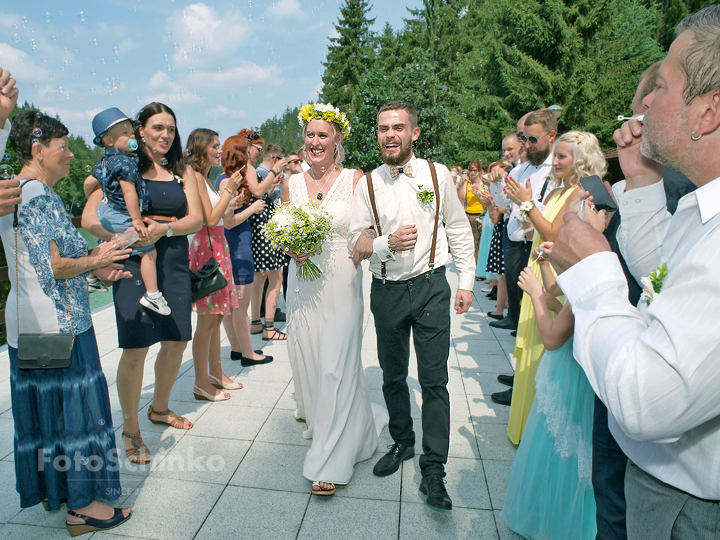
x,y
324,111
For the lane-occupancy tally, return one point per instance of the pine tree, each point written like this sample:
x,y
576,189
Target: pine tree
x,y
284,131
349,56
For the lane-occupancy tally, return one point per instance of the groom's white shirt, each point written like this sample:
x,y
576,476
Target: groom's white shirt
x,y
398,205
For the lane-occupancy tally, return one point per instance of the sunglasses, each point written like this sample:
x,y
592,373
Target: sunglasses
x,y
253,136
295,161
531,138
258,148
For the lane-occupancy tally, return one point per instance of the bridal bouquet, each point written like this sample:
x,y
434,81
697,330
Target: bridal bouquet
x,y
300,229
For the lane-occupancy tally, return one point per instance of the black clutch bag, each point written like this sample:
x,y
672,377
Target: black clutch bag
x,y
42,351
206,280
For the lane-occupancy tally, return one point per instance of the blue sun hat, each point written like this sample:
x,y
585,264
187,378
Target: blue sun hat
x,y
106,119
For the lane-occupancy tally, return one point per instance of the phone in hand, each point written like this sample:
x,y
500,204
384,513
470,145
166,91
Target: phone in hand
x,y
601,196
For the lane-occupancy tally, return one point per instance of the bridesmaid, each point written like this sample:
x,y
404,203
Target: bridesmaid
x,y
203,152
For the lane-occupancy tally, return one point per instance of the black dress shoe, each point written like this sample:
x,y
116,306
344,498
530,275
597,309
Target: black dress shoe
x,y
507,380
505,324
493,296
496,317
433,486
250,362
503,398
493,291
238,356
513,333
390,462
280,315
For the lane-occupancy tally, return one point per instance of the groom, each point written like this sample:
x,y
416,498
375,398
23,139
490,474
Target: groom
x,y
396,226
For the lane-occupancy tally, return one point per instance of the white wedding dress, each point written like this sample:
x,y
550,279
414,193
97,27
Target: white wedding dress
x,y
324,343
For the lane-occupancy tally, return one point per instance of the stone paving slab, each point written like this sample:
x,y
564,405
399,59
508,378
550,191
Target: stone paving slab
x,y
238,472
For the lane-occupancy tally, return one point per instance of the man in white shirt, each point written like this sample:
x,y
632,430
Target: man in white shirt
x,y
657,367
409,288
511,147
9,188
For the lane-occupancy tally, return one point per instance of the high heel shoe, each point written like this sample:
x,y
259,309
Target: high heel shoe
x,y
199,393
139,453
221,385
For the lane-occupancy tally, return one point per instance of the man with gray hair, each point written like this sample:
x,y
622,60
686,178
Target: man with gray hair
x,y
657,367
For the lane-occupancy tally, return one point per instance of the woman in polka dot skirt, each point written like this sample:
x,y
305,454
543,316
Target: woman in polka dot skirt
x,y
203,151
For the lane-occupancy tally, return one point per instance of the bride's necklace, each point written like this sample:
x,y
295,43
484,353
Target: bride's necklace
x,y
320,195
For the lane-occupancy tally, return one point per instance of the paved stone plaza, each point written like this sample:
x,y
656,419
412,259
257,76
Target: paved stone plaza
x,y
237,474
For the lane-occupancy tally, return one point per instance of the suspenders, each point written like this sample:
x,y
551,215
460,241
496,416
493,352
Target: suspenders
x,y
371,193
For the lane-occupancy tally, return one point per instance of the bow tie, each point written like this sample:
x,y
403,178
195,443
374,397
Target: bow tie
x,y
407,170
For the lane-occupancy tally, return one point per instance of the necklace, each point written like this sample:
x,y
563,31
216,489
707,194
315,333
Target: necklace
x,y
320,195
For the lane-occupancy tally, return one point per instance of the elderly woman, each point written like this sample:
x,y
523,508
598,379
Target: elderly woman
x,y
62,415
174,212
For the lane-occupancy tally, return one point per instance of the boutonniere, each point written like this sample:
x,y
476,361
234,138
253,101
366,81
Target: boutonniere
x,y
180,179
652,283
524,212
425,195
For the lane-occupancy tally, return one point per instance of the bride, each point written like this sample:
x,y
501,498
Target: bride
x,y
326,316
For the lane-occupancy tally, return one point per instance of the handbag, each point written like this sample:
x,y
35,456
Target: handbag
x,y
42,351
206,280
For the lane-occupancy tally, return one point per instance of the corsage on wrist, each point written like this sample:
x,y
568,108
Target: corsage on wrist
x,y
524,212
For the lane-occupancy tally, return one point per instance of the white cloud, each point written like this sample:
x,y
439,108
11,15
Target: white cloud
x,y
177,98
20,65
286,8
315,94
245,74
223,112
201,35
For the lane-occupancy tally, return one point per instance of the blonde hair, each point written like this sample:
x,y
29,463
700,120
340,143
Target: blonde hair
x,y
588,158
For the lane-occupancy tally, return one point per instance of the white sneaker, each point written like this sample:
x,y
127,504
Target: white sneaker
x,y
96,285
158,305
486,289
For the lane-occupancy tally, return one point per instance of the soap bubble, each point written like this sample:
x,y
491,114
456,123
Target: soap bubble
x,y
188,152
88,168
48,17
34,142
37,132
24,21
6,172
93,41
33,44
6,157
82,17
138,283
16,38
163,161
83,461
101,422
44,59
38,115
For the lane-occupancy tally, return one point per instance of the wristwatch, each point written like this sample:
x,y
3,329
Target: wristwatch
x,y
169,232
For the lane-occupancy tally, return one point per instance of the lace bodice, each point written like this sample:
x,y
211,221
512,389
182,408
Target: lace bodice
x,y
337,202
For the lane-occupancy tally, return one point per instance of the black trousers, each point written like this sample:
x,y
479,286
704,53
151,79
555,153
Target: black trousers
x,y
517,259
608,478
420,304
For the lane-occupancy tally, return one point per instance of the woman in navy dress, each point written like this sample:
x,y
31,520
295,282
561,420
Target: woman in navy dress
x,y
174,212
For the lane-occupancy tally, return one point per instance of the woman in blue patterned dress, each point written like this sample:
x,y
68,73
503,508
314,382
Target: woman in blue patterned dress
x,y
64,438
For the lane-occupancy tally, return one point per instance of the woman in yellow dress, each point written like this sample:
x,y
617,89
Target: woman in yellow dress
x,y
576,155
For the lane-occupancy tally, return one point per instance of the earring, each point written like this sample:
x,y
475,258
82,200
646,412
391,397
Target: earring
x,y
694,138
142,139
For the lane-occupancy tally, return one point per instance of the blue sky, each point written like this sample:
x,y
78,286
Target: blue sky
x,y
222,65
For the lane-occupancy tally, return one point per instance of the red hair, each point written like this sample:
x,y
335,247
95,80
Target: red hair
x,y
234,158
252,137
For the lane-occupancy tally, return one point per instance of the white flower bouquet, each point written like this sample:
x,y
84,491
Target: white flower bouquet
x,y
300,229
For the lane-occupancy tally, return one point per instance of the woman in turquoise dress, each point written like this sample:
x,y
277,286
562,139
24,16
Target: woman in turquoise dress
x,y
549,489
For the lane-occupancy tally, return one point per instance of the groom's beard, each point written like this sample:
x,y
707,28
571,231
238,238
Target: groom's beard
x,y
399,158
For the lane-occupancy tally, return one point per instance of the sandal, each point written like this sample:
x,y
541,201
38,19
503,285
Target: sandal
x,y
92,524
320,490
256,323
221,385
276,334
139,453
199,393
178,422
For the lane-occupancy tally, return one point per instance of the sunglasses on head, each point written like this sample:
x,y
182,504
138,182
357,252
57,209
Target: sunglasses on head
x,y
255,135
532,138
